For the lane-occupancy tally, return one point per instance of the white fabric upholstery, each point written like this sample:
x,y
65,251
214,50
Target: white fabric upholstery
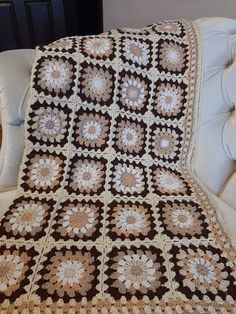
x,y
228,192
216,141
11,154
6,199
15,68
225,212
216,147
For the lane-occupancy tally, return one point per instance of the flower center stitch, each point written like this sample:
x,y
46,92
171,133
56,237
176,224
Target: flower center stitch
x,y
78,219
128,179
202,270
168,100
136,270
92,130
130,220
169,181
173,56
69,272
45,171
182,218
27,216
97,44
50,125
97,83
129,136
87,176
134,49
55,74
164,143
133,93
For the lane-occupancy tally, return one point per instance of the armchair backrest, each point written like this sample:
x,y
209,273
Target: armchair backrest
x,y
216,144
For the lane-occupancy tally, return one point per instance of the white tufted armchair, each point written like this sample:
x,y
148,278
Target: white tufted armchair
x,y
215,148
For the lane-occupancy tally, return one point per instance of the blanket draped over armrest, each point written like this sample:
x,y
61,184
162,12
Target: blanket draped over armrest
x,y
109,217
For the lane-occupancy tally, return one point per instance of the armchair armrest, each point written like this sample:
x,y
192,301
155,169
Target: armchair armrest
x,y
15,69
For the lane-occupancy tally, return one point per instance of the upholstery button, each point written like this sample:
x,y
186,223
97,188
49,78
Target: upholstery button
x,y
228,84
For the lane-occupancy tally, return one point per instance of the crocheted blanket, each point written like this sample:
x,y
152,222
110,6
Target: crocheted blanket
x,y
109,217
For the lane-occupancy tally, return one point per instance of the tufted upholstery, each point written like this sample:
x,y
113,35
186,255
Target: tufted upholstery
x,y
216,149
215,158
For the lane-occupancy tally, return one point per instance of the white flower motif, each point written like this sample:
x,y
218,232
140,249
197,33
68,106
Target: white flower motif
x,y
98,46
182,218
130,220
128,179
164,143
63,43
56,74
136,271
136,51
50,124
167,27
27,217
169,99
44,172
87,175
91,130
11,268
133,93
173,56
202,270
79,220
172,27
97,84
170,182
129,136
70,272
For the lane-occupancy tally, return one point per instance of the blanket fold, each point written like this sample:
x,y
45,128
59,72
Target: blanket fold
x,y
109,217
